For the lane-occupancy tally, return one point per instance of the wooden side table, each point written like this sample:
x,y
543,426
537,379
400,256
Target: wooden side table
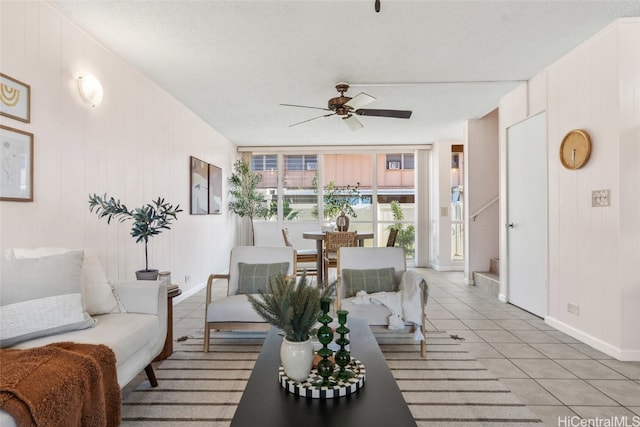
x,y
167,350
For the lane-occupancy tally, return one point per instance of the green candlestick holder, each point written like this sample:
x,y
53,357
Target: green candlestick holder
x,y
325,336
343,356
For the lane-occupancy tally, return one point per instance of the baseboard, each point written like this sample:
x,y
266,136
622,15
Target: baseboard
x,y
437,267
598,344
194,290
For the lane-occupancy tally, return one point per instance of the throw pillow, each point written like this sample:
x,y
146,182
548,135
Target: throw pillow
x,y
368,280
96,291
41,296
254,278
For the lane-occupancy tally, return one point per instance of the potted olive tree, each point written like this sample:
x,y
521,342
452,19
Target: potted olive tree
x,y
148,220
246,199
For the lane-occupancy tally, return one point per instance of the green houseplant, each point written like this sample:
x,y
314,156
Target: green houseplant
x,y
148,220
406,233
338,202
293,307
246,199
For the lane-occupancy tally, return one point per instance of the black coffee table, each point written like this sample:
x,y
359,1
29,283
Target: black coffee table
x,y
265,403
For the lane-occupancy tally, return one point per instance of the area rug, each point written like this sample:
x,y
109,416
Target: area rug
x,y
448,388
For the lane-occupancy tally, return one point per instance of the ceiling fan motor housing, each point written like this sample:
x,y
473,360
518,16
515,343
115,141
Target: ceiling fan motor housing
x,y
337,104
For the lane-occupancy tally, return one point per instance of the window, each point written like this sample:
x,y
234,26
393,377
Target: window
x,y
265,162
267,166
301,162
336,180
299,196
457,203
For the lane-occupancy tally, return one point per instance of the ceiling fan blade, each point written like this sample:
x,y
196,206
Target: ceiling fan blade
x,y
360,100
314,118
397,114
353,123
305,106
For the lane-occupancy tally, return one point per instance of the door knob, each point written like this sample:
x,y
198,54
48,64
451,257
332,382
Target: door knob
x,y
510,225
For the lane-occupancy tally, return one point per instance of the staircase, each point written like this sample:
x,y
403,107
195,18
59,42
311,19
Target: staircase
x,y
489,280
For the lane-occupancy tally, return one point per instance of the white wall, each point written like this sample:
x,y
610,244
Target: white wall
x,y
593,252
481,187
135,146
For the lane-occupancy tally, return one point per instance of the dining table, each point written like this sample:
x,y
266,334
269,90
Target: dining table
x,y
319,237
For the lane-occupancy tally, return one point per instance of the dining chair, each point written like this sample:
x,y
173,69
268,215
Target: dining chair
x,y
333,241
391,240
303,255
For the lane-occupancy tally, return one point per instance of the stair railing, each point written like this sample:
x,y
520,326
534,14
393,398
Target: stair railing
x,y
483,208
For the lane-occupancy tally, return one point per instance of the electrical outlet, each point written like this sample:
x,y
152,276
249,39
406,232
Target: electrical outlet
x,y
600,198
573,308
187,279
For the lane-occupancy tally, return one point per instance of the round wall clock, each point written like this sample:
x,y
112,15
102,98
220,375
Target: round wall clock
x,y
575,149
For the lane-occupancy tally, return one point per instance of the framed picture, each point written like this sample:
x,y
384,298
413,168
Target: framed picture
x,y
16,165
215,190
199,187
15,99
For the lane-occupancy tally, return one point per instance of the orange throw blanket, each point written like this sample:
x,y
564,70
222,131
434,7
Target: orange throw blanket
x,y
61,384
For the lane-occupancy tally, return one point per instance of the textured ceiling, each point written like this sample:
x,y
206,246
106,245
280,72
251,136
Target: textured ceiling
x,y
233,62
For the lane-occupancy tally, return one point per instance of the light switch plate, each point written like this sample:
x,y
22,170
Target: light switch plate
x,y
600,198
573,308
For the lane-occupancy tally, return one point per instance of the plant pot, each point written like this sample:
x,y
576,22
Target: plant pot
x,y
147,274
296,358
342,222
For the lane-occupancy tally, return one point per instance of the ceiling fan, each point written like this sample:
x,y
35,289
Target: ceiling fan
x,y
347,108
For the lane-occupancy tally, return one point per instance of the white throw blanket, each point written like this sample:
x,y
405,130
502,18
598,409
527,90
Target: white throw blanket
x,y
405,305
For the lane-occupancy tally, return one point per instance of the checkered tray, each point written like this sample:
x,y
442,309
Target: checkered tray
x,y
308,389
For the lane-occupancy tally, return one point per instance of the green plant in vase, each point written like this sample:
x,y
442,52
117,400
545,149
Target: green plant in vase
x,y
338,202
293,307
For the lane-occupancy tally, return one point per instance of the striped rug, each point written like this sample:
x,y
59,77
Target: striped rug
x,y
449,388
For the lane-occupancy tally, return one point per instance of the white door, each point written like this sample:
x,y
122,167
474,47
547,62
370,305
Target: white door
x,y
527,214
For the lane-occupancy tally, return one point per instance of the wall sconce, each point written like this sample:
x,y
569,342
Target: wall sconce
x,y
90,89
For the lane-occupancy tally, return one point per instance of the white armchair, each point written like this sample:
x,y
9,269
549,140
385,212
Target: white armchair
x,y
250,269
381,270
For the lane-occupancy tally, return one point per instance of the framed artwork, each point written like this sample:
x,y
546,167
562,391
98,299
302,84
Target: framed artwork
x,y
15,99
215,190
16,165
199,187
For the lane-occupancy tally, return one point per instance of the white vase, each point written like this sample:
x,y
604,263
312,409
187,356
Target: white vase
x,y
296,358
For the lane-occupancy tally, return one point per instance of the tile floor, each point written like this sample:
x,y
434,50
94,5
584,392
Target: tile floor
x,y
559,378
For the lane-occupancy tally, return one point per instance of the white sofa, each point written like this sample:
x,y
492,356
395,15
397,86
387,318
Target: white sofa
x,y
129,317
